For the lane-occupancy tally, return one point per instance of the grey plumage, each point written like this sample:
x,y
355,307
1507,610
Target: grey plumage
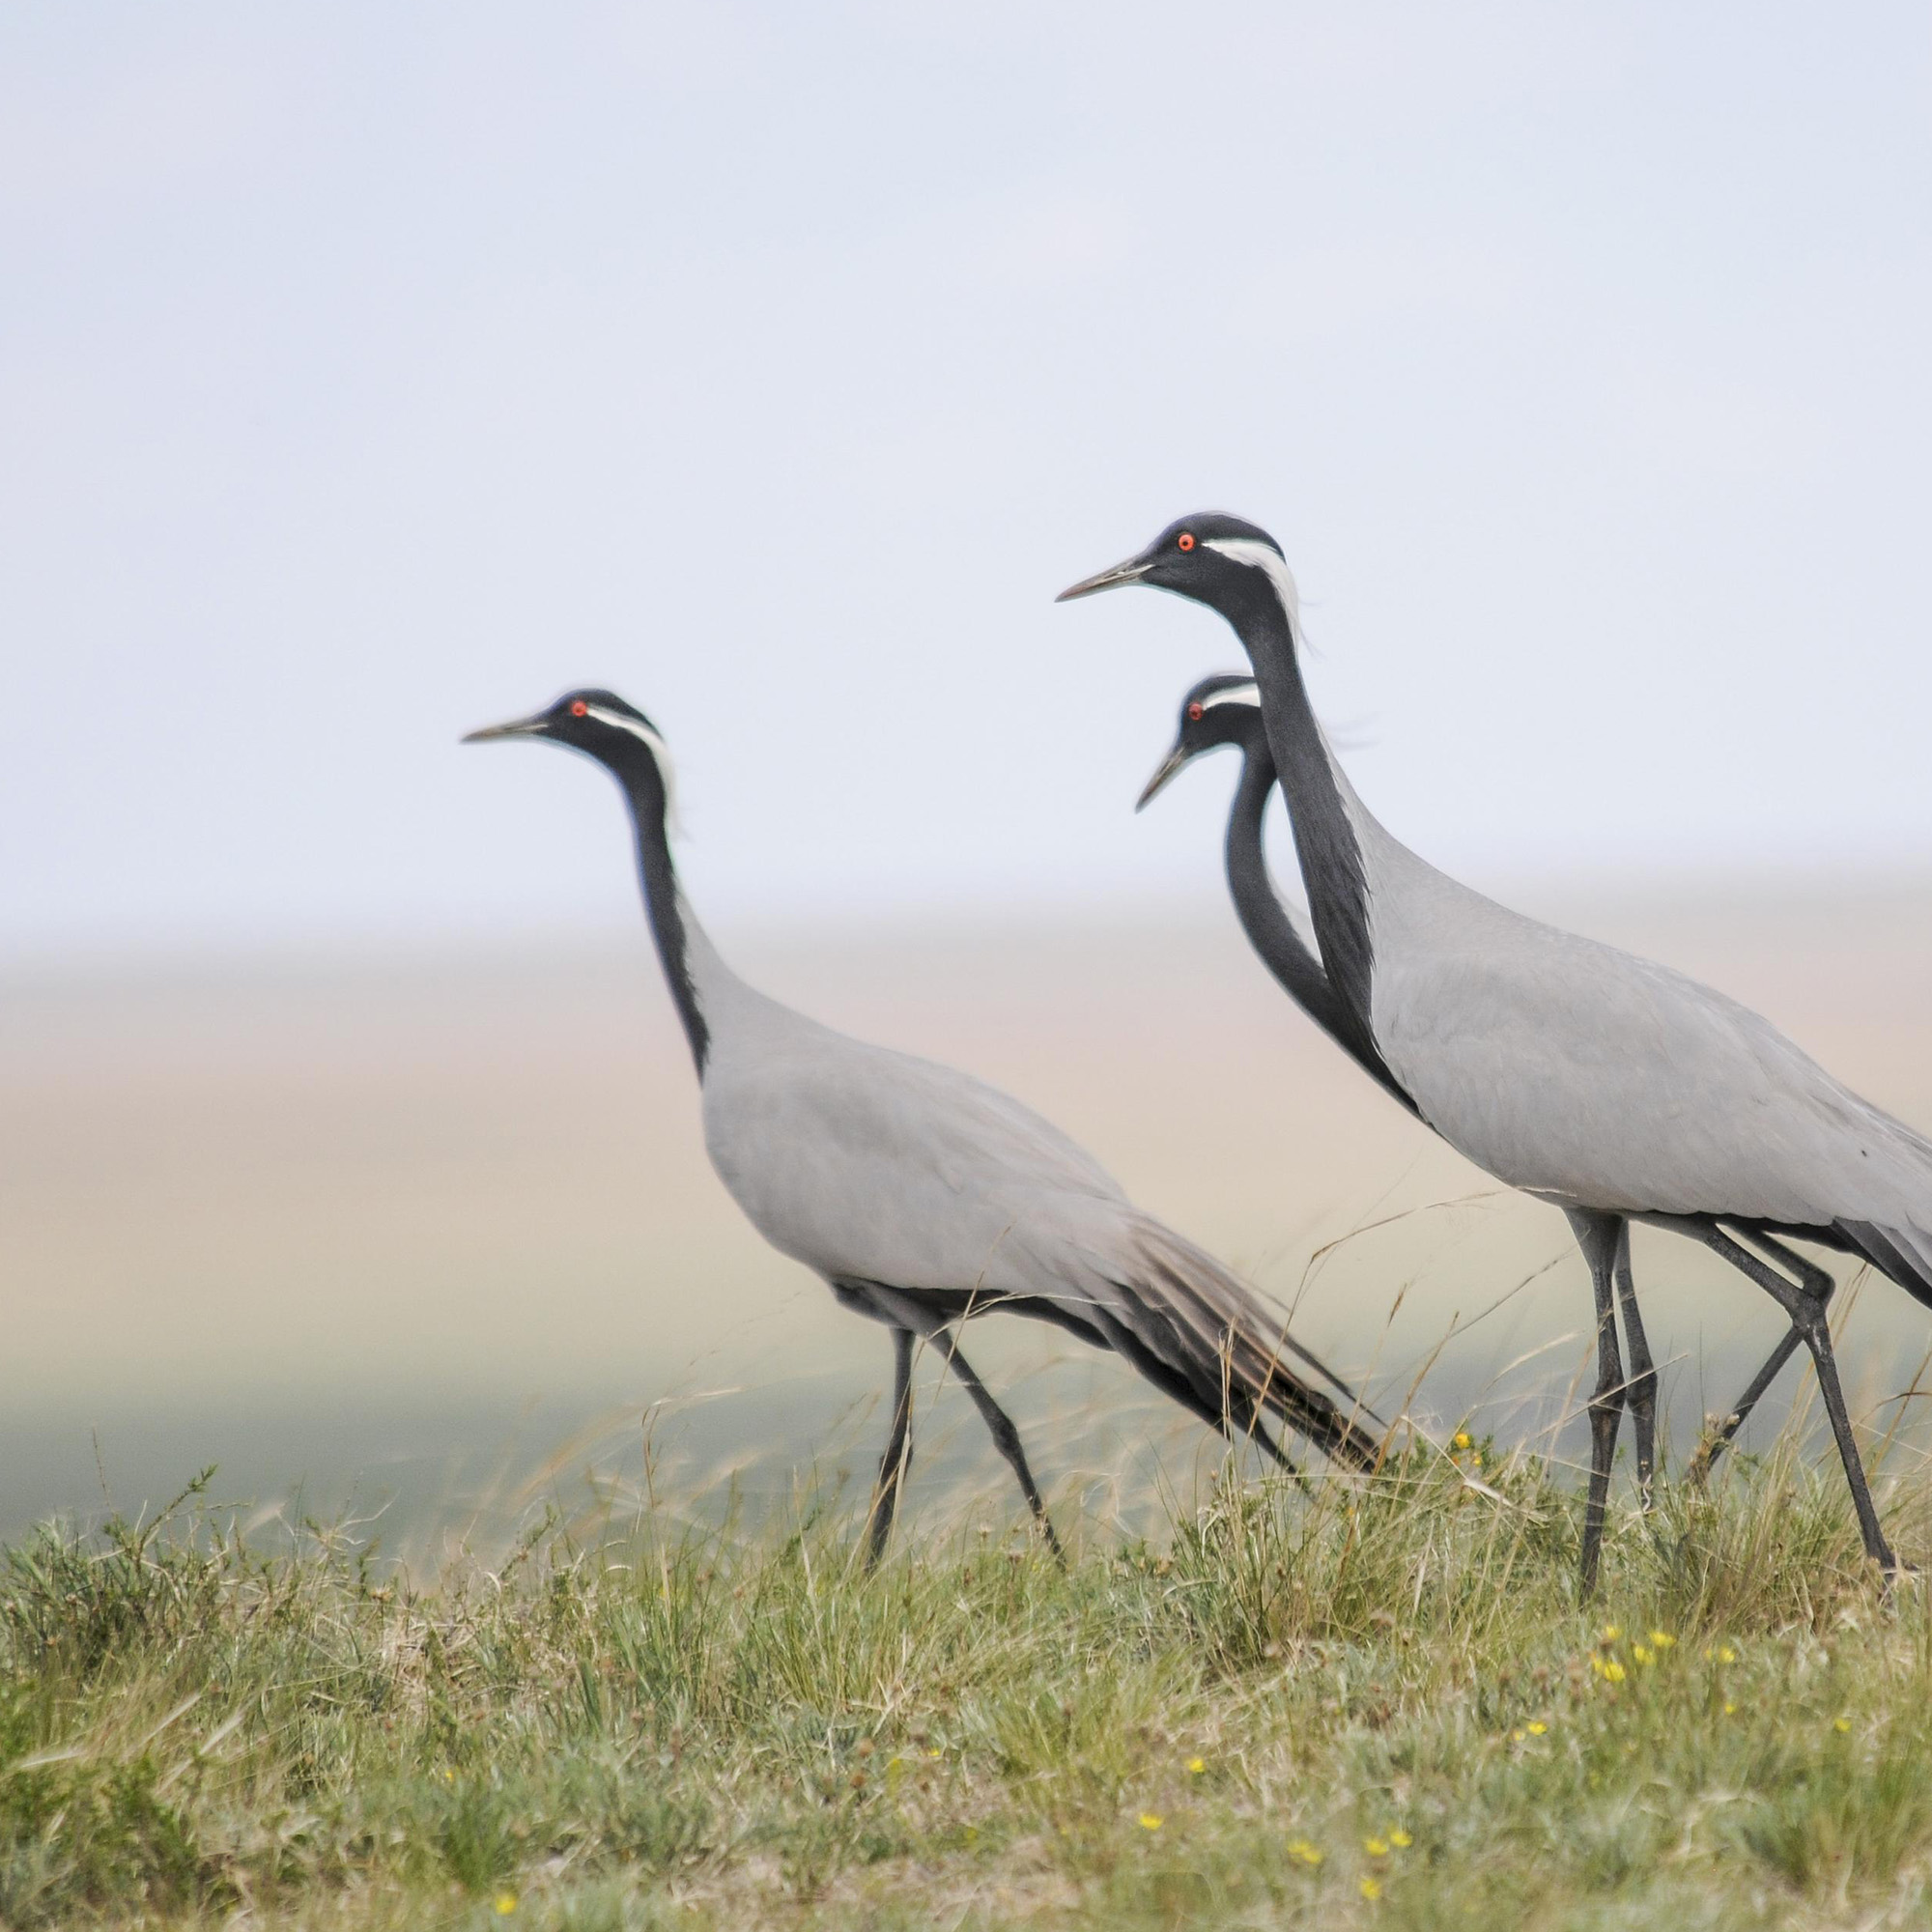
x,y
1608,1085
1596,1078
872,1166
923,1196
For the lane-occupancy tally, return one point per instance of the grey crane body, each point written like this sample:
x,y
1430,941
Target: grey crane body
x,y
1602,1080
922,1196
1605,1083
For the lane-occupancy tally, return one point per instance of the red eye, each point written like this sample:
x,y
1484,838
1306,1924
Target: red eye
x,y
578,707
1185,540
1196,710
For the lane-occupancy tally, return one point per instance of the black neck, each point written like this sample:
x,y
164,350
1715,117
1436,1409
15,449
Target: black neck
x,y
1268,927
1332,859
643,788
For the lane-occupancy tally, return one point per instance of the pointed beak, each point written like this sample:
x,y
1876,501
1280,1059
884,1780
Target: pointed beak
x,y
1131,572
1171,767
517,727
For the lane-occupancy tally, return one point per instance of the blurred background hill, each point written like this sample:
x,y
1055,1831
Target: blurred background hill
x,y
408,1230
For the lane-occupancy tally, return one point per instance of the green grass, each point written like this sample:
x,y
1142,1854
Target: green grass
x,y
1375,1705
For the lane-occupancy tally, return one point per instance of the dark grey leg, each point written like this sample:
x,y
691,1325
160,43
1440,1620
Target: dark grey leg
x,y
1006,1438
1818,1282
1600,1237
1642,1387
1733,1418
897,1459
1803,1300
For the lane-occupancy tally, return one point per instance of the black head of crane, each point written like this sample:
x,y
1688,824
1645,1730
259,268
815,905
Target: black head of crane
x,y
1231,565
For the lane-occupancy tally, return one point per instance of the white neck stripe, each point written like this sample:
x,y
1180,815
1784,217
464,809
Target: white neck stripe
x,y
656,746
1265,558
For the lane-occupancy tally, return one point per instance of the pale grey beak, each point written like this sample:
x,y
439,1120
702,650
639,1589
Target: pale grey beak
x,y
1172,766
517,727
1131,572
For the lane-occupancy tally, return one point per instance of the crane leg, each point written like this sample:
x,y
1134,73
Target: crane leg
x,y
897,1459
1000,1425
1804,1301
1822,1284
1733,1419
1602,1237
1641,1389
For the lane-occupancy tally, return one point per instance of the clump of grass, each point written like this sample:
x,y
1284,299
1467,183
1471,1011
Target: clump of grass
x,y
1371,1702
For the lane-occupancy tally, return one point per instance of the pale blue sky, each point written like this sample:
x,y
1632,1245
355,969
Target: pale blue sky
x,y
367,373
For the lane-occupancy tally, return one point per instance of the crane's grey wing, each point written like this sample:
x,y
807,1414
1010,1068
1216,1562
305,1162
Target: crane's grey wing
x,y
873,1166
1572,1070
877,1166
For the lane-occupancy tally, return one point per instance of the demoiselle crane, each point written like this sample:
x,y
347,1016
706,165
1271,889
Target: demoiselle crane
x,y
1614,1088
923,1197
1225,710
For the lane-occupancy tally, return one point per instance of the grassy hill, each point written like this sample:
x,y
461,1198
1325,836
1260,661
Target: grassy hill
x,y
1364,1705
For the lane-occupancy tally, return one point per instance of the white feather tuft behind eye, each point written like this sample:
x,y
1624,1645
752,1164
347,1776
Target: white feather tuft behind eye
x,y
1236,693
1266,558
660,752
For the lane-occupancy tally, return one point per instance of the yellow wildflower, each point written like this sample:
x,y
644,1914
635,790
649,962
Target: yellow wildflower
x,y
1376,1848
1461,1438
1663,1639
1720,1653
1536,1727
1841,1723
506,1903
1401,1839
1197,1765
1372,1887
1730,1710
1613,1672
1643,1653
1151,1821
1300,1848
1612,1633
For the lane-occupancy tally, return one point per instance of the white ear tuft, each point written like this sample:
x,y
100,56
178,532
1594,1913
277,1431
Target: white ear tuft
x,y
1236,693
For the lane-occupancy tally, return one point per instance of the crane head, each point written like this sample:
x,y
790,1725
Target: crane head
x,y
599,723
1233,567
1220,710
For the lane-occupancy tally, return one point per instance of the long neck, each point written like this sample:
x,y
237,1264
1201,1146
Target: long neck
x,y
1270,929
686,953
1324,834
